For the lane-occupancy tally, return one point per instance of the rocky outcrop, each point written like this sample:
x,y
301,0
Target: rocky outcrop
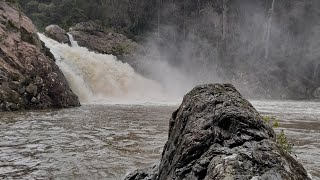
x,y
96,38
216,134
57,33
29,77
316,93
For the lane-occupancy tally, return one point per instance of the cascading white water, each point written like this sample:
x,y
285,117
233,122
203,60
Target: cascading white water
x,y
73,42
101,78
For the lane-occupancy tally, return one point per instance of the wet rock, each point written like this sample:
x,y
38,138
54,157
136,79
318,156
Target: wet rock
x,y
217,134
12,107
145,174
33,99
3,77
57,33
22,90
316,93
32,89
26,66
47,51
95,37
14,85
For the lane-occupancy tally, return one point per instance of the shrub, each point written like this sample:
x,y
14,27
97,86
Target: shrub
x,y
281,138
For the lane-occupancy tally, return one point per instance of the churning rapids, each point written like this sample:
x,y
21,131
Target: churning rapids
x,y
106,138
101,78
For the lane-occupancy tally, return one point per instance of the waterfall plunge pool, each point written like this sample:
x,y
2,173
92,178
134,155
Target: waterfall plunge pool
x,y
109,141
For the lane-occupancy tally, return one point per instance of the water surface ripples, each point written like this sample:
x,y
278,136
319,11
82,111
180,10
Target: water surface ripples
x,y
108,141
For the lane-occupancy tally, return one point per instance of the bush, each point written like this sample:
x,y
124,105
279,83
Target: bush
x,y
281,138
283,143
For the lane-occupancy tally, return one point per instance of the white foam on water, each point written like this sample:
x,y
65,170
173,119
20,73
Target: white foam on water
x,y
102,79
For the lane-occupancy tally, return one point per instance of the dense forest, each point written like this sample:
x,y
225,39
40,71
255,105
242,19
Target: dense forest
x,y
123,15
268,48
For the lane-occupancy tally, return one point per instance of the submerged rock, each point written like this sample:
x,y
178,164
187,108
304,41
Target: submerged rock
x,y
57,33
29,77
95,37
217,134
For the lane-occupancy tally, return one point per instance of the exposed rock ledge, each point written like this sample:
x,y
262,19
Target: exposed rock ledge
x,y
57,33
29,77
316,93
95,37
216,134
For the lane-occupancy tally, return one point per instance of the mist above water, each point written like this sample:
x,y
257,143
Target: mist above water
x,y
267,49
101,78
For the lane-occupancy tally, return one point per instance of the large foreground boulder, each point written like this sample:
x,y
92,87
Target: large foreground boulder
x,y
57,33
217,134
29,77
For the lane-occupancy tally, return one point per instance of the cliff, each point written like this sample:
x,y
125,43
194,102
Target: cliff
x,y
29,77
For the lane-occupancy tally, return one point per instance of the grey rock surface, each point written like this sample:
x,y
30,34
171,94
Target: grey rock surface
x,y
217,134
95,37
57,33
29,77
316,93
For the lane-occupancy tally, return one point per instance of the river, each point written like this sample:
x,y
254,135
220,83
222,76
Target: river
x,y
108,141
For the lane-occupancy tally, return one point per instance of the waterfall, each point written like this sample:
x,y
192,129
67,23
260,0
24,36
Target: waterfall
x,y
224,20
101,78
73,42
268,31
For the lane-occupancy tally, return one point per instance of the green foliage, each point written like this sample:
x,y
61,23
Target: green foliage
x,y
128,17
283,142
62,12
281,138
272,121
13,1
77,15
31,6
121,49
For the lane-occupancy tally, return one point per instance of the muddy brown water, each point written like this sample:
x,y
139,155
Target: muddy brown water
x,y
108,141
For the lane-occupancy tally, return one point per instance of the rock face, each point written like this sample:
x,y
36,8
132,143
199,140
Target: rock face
x,y
57,33
29,77
96,38
216,134
316,93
